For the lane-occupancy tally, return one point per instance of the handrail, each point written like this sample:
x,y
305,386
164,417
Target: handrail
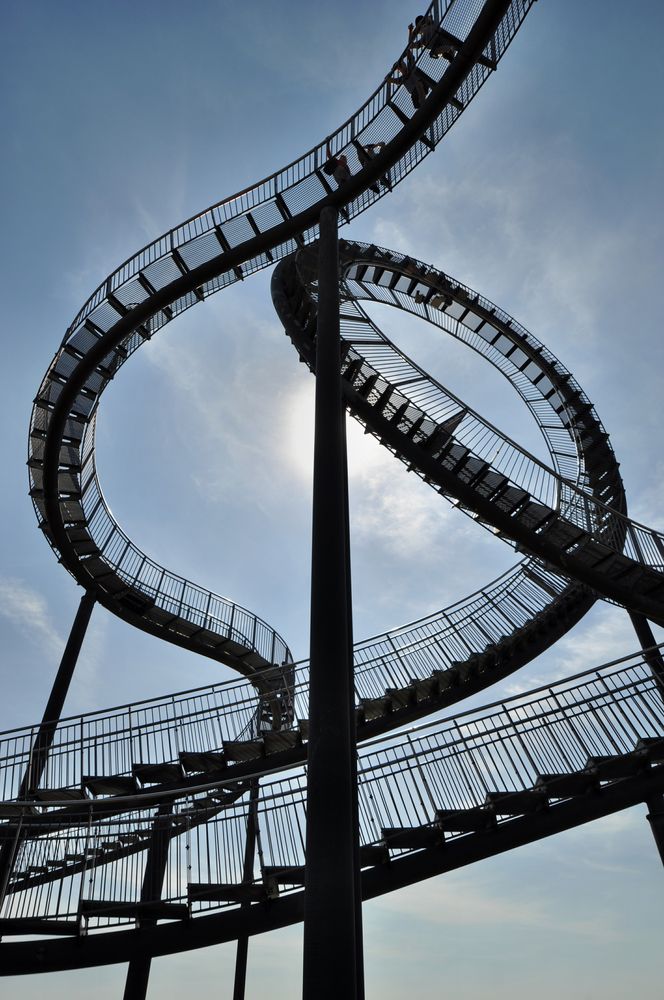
x,y
583,508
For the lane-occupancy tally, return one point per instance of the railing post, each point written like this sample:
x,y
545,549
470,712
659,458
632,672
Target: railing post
x,y
656,819
331,888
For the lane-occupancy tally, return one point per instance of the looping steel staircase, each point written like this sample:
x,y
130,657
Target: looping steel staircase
x,y
132,836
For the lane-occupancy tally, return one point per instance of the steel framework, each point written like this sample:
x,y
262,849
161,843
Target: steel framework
x,y
180,822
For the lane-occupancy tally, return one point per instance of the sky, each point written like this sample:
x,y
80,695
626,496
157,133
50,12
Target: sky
x,y
119,121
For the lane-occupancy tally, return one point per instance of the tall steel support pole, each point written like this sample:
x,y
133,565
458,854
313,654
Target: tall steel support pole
x,y
248,877
330,961
44,738
138,973
653,658
359,939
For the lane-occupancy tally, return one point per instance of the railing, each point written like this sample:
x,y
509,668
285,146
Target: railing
x,y
403,780
111,741
170,592
413,385
454,313
577,505
374,122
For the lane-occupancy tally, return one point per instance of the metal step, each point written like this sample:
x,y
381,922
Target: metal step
x,y
447,678
615,766
437,442
374,854
562,534
565,786
277,740
131,838
510,499
114,784
244,750
424,688
195,761
156,909
375,708
652,747
516,803
285,874
456,457
225,892
61,795
223,798
465,820
412,837
368,385
472,470
399,697
534,515
30,925
157,774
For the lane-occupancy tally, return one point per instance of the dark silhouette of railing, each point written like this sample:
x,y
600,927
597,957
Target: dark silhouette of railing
x,y
490,769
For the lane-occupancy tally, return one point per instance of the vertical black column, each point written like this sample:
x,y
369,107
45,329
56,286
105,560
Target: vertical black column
x,y
138,973
653,657
359,940
46,731
330,969
248,877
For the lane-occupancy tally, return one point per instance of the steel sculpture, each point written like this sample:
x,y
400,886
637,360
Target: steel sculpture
x,y
180,822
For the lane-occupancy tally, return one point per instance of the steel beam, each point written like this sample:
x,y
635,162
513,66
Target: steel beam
x,y
651,654
138,973
44,738
656,819
330,962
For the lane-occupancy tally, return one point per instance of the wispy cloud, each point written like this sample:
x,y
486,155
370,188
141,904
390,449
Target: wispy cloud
x,y
85,689
27,611
460,900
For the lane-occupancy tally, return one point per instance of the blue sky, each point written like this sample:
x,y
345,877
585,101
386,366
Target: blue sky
x,y
121,120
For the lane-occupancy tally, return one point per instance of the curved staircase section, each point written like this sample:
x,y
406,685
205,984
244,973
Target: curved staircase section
x,y
431,800
203,255
578,528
